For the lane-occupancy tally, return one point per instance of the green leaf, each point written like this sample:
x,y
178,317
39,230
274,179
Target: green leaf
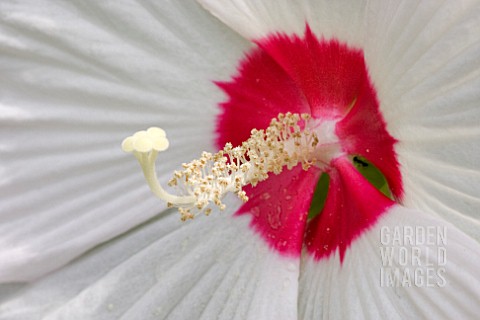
x,y
319,196
372,174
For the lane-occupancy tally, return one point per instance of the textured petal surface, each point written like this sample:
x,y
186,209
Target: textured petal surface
x,y
441,282
210,268
428,87
279,207
422,57
77,78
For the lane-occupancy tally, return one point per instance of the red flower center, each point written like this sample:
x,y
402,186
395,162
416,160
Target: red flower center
x,y
328,80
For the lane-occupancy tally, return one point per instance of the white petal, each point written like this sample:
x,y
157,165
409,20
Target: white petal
x,y
428,82
359,288
257,19
210,268
77,78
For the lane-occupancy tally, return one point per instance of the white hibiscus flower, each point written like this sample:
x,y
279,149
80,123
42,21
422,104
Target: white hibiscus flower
x,y
399,81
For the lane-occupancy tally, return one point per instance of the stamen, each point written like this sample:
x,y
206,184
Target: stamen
x,y
289,140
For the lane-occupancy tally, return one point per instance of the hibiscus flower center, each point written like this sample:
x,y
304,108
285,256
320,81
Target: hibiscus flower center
x,y
329,81
303,104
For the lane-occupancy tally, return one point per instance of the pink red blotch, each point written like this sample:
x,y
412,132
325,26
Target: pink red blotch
x,y
329,80
352,206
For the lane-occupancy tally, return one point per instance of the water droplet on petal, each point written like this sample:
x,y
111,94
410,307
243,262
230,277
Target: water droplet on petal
x,y
275,216
255,211
265,196
283,243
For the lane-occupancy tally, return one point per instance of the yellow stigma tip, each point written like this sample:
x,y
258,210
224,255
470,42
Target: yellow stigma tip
x,y
146,141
